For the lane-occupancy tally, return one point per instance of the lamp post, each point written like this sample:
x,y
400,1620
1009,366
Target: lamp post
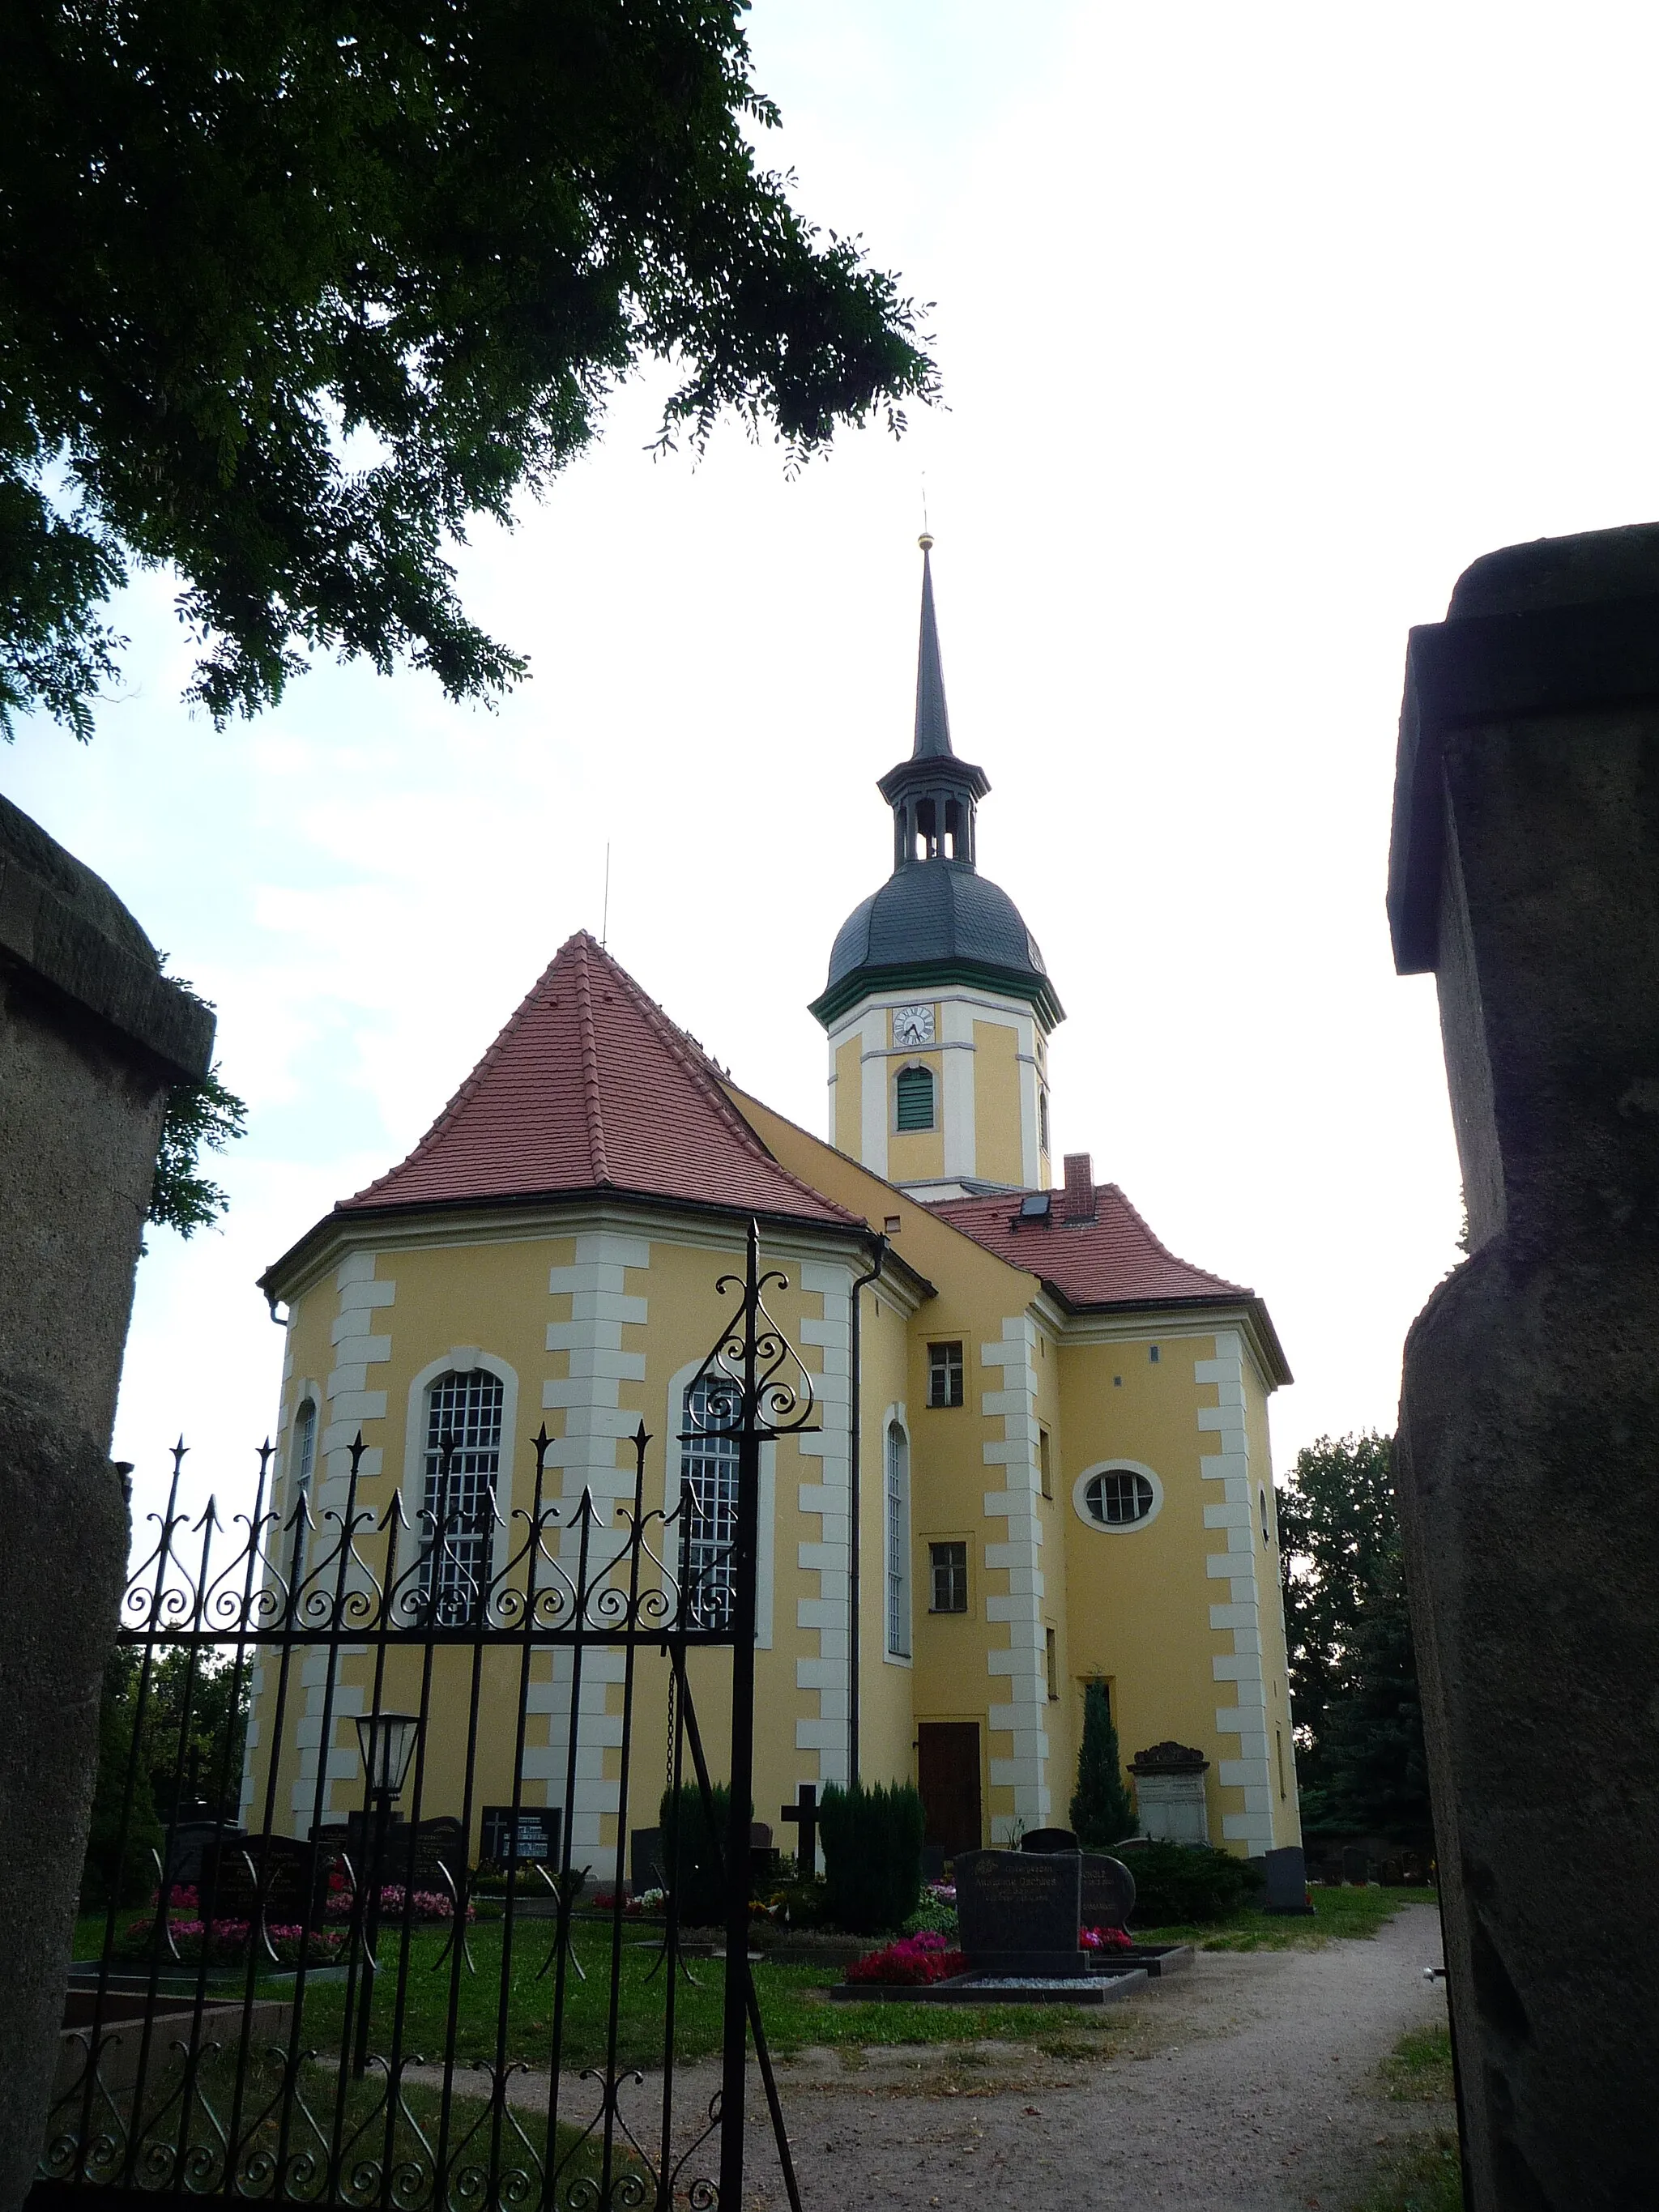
x,y
386,1743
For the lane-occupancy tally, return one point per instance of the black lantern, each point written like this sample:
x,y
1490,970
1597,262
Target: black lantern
x,y
387,1743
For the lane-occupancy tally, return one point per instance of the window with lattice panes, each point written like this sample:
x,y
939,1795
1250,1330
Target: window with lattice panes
x,y
949,1564
898,1543
944,1375
463,1464
709,1532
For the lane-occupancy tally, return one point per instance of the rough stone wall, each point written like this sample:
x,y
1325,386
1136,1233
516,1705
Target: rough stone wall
x,y
92,1039
1525,874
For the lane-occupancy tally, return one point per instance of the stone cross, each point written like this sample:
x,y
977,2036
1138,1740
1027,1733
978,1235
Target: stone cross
x,y
803,1815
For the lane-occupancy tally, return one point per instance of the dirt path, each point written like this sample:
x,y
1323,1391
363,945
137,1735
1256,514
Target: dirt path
x,y
1249,2086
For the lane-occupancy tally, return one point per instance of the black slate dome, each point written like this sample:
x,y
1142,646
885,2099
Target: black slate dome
x,y
936,920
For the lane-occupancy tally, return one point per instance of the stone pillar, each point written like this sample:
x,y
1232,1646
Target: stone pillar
x,y
1525,875
92,1039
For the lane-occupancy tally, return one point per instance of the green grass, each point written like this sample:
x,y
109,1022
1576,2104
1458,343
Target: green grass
x,y
794,2006
1347,1912
1419,2069
1423,2175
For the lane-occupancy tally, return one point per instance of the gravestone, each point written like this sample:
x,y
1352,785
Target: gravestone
x,y
530,1836
278,1875
1048,1839
440,1852
1169,1799
1524,875
1020,1913
1287,1880
1107,1892
645,1867
189,1842
932,1862
1356,1865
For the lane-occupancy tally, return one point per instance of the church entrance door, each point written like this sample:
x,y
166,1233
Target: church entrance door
x,y
947,1776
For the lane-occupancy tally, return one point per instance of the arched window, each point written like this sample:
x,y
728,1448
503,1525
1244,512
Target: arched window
x,y
709,1532
463,1463
913,1098
302,1452
898,1542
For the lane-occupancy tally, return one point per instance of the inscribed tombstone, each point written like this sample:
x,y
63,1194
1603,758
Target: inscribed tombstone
x,y
1109,1891
1020,1913
1048,1839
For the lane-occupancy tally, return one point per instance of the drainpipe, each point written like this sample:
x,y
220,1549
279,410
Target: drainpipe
x,y
880,1258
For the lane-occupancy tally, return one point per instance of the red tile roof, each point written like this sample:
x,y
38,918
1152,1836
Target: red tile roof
x,y
591,1087
1113,1260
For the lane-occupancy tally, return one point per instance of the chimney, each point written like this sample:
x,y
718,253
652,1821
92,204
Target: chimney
x,y
1080,1187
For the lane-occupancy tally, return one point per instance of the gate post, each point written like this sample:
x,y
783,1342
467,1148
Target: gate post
x,y
1525,875
92,1039
740,1812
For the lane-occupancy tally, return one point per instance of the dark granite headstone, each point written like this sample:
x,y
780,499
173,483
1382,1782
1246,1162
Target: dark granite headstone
x,y
1356,1864
645,1860
1020,1911
190,1840
1109,1891
243,1873
1287,1880
1048,1839
529,1838
932,1862
439,1851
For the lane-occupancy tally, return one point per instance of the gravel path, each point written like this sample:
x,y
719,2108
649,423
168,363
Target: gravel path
x,y
1248,2084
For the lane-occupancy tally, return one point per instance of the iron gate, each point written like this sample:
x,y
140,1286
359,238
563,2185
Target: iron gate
x,y
278,2045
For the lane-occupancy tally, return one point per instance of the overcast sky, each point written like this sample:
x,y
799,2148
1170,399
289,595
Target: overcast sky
x,y
1257,324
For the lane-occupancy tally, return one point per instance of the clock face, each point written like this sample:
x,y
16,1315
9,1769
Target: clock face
x,y
913,1025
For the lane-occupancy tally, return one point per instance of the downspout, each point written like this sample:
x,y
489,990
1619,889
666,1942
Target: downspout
x,y
852,1539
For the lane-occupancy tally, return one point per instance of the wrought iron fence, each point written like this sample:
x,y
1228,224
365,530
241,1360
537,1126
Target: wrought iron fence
x,y
364,2013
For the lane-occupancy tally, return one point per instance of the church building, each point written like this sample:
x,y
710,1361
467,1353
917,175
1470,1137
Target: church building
x,y
1061,1461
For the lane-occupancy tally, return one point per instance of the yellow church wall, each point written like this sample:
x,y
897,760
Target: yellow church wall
x,y
491,1294
1138,1600
998,1149
887,1686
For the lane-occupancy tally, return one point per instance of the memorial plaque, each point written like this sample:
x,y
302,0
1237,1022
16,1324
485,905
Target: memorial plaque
x,y
1048,1839
440,1850
1020,1911
190,1841
529,1837
1109,1891
645,1861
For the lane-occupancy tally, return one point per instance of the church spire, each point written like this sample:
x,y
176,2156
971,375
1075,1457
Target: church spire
x,y
932,794
932,718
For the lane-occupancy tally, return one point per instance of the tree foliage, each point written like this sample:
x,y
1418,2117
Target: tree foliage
x,y
292,289
1353,1676
190,1727
1103,1812
872,1839
202,1116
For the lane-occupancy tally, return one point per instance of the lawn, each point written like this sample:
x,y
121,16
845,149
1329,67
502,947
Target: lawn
x,y
793,2004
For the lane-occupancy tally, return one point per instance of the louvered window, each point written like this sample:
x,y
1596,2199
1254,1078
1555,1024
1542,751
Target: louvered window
x,y
913,1098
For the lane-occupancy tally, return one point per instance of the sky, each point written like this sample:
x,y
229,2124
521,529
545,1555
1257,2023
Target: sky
x,y
1256,325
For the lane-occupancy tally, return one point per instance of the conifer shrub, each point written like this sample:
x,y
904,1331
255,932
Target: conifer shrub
x,y
1103,1812
873,1840
1178,1883
693,1855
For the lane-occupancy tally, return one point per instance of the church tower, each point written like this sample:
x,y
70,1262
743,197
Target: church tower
x,y
937,1006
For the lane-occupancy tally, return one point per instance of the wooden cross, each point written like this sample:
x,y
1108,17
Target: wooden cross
x,y
805,1814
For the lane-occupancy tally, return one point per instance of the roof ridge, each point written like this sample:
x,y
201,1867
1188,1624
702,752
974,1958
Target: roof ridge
x,y
591,1102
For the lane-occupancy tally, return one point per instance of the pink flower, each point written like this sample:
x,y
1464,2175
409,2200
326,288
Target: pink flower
x,y
912,1962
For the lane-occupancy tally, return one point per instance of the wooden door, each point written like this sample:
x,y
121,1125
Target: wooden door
x,y
947,1775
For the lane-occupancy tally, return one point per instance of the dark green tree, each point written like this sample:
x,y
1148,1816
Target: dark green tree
x,y
872,1839
292,290
1102,1811
1353,1678
200,1117
124,1834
